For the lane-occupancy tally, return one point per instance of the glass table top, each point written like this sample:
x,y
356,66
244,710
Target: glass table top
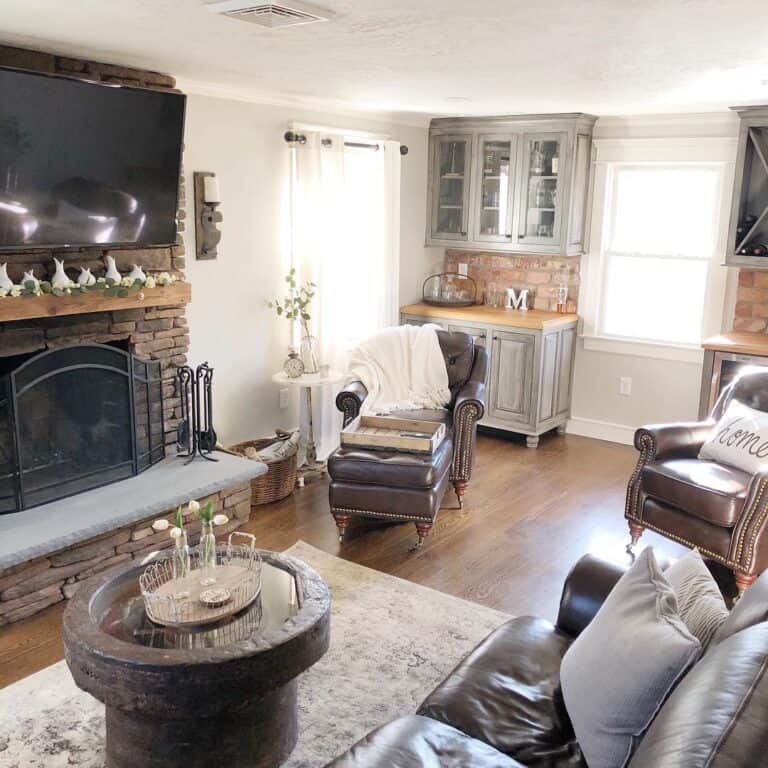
x,y
123,616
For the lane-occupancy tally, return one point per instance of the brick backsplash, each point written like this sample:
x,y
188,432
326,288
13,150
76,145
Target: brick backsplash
x,y
752,301
541,275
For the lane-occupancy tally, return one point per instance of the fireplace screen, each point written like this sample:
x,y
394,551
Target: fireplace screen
x,y
77,418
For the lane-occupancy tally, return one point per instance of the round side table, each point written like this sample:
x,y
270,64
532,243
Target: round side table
x,y
308,382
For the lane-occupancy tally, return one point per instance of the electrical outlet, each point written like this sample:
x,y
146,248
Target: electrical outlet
x,y
463,269
625,386
283,398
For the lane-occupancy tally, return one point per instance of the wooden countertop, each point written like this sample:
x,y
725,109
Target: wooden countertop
x,y
480,313
739,342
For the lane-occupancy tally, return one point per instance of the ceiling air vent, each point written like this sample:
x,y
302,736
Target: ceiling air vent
x,y
270,15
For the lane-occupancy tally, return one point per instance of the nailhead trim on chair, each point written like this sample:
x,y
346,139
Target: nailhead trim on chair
x,y
746,526
681,540
370,513
647,452
469,413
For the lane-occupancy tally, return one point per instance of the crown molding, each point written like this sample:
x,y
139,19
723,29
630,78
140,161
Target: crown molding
x,y
333,106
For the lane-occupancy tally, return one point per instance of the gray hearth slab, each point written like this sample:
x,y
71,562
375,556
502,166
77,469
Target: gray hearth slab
x,y
51,527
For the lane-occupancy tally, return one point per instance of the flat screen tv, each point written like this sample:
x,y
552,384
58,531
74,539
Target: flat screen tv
x,y
87,164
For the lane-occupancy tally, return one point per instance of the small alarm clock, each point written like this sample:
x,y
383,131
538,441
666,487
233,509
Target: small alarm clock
x,y
293,366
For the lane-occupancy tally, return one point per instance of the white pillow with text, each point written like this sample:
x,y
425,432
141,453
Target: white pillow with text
x,y
740,439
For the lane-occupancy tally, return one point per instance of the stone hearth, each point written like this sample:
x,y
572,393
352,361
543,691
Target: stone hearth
x,y
48,551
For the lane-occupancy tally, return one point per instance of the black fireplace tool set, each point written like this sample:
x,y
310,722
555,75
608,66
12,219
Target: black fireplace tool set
x,y
196,435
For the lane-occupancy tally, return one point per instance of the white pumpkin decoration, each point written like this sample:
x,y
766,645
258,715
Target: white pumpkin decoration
x,y
5,282
85,278
60,279
29,277
112,273
137,273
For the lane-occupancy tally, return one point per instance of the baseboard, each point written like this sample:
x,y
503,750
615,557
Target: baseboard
x,y
601,430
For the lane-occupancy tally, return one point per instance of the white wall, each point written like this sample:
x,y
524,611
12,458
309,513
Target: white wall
x,y
662,390
230,324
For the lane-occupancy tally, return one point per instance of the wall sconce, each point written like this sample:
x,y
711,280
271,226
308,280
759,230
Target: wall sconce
x,y
207,218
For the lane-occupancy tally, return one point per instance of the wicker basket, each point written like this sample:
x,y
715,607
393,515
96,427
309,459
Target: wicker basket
x,y
280,479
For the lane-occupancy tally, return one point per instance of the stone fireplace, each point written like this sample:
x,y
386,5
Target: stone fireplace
x,y
79,426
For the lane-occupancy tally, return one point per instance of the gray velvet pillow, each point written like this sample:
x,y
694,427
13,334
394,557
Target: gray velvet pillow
x,y
622,667
699,601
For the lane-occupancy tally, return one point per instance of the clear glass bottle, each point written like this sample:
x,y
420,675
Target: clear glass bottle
x,y
207,549
562,290
309,354
181,556
537,159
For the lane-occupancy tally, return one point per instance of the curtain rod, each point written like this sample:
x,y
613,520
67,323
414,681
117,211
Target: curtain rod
x,y
291,137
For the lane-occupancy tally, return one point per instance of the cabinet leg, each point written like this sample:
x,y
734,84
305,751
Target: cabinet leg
x,y
532,441
561,429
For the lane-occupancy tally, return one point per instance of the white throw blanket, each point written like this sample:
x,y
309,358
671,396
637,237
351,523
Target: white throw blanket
x,y
402,368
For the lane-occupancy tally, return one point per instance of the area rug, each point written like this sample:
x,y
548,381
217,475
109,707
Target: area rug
x,y
391,642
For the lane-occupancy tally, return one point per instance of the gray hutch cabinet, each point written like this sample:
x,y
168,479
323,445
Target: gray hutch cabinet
x,y
515,183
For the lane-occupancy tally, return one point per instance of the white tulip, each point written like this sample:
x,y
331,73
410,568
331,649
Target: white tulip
x,y
160,525
194,506
220,519
176,532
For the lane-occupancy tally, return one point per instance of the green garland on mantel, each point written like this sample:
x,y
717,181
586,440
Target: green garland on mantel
x,y
106,285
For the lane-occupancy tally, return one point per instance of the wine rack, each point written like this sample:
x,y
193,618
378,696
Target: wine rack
x,y
748,238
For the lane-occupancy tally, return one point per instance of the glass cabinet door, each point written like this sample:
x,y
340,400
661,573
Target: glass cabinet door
x,y
493,209
543,163
450,187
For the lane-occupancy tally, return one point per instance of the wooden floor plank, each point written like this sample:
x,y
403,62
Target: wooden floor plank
x,y
528,516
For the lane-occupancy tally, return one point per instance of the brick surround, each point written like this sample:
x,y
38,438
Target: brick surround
x,y
539,274
155,333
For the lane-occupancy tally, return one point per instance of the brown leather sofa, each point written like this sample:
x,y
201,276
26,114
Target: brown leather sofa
x,y
716,508
410,487
501,707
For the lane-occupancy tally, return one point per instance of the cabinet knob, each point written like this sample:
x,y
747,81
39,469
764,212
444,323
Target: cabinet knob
x,y
509,236
520,237
463,234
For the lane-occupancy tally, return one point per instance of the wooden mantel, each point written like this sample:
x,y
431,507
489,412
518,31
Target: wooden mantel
x,y
47,305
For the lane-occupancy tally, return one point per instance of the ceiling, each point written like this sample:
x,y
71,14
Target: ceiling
x,y
430,57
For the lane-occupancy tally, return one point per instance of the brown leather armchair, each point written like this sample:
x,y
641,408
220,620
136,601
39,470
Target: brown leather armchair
x,y
467,366
713,507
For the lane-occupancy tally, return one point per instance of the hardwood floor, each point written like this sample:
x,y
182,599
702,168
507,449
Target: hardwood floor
x,y
528,516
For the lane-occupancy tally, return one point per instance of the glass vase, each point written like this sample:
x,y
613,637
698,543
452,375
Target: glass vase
x,y
207,549
309,354
181,557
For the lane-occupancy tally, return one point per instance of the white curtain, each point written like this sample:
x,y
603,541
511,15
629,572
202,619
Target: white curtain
x,y
345,222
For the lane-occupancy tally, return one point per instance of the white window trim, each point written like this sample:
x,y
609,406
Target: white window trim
x,y
674,151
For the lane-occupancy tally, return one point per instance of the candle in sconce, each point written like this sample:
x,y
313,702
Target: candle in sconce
x,y
211,190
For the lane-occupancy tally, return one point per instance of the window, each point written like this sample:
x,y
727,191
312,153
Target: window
x,y
652,283
661,227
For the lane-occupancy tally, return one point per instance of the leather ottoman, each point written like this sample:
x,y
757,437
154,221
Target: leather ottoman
x,y
390,485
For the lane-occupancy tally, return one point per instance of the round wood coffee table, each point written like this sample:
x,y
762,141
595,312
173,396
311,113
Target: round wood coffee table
x,y
223,696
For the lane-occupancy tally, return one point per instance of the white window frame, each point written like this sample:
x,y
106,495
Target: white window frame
x,y
673,152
